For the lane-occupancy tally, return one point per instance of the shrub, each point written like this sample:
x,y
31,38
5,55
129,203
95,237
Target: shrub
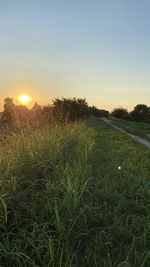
x,y
141,112
98,112
70,109
120,113
8,116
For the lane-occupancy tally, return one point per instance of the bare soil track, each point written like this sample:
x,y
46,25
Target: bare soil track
x,y
134,137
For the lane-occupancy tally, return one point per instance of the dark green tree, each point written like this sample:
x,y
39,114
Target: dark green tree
x,y
36,111
94,111
70,109
9,114
22,115
141,112
47,113
120,113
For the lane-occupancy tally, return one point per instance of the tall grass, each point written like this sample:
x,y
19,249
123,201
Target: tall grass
x,y
65,203
44,180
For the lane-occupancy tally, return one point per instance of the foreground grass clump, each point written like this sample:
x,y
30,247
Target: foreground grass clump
x,y
74,195
44,180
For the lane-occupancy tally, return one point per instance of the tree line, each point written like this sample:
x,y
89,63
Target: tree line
x,y
140,113
61,110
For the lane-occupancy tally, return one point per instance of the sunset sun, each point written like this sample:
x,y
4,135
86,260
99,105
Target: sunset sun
x,y
24,99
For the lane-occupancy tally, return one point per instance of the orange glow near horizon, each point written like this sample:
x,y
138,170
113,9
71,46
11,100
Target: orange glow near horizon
x,y
24,99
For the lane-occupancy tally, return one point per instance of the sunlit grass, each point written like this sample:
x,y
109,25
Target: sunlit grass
x,y
74,195
44,179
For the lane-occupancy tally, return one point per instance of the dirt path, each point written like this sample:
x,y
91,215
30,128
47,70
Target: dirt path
x,y
134,137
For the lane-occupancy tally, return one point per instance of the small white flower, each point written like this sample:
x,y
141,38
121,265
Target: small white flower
x,y
119,167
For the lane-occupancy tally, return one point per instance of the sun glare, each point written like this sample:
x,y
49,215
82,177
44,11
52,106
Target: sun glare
x,y
24,99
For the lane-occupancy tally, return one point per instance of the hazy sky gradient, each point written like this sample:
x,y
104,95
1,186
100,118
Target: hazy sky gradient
x,y
98,49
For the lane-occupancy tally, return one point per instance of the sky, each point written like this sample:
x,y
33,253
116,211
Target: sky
x,y
93,49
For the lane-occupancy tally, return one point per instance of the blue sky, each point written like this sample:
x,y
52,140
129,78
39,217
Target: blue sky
x,y
97,49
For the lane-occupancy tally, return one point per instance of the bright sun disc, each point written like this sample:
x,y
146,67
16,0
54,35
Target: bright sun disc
x,y
24,99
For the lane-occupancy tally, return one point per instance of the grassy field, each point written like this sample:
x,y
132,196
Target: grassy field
x,y
138,128
76,195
